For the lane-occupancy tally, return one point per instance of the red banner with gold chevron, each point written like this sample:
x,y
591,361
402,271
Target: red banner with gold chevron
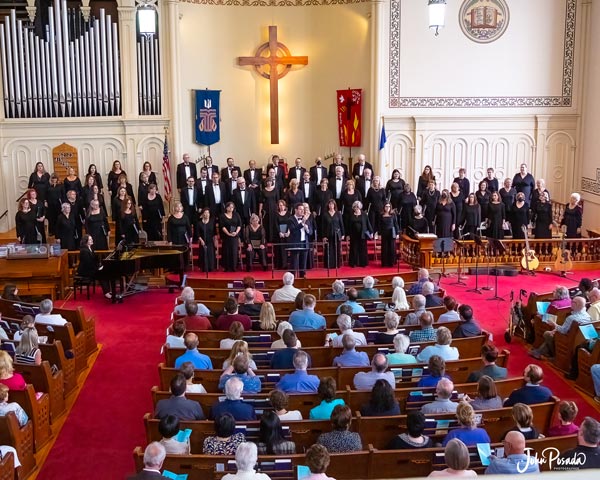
x,y
349,104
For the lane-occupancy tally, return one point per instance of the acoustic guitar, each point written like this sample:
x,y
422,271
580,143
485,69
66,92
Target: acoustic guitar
x,y
564,262
529,261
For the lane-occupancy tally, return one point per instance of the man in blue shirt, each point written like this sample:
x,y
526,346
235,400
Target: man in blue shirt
x,y
423,276
350,357
532,392
241,369
284,359
516,461
352,297
233,404
427,333
200,361
299,381
307,319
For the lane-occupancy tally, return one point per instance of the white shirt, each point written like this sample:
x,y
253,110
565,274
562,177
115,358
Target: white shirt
x,y
190,197
359,338
319,175
291,415
50,319
287,293
298,173
306,189
243,195
250,475
188,174
367,186
252,174
302,231
339,183
217,192
360,169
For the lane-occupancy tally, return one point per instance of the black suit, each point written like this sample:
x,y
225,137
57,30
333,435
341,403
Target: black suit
x,y
181,174
314,176
332,170
215,207
246,208
202,189
231,187
250,183
310,198
191,211
226,174
292,174
356,169
298,258
333,188
279,173
212,169
361,186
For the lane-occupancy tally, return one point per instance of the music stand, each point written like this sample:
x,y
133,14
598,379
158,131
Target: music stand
x,y
443,245
498,246
298,251
478,243
459,278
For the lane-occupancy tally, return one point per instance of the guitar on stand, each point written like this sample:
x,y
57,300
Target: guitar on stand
x,y
529,262
564,262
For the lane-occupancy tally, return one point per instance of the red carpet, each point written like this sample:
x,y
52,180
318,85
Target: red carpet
x,y
105,423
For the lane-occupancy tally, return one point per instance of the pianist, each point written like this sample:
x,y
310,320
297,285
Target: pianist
x,y
88,264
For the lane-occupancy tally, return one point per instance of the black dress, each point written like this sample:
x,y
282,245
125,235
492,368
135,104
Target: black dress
x,y
151,178
117,206
429,201
96,225
281,249
113,182
535,197
332,228
229,245
394,191
269,201
54,198
388,229
376,199
66,231
130,227
88,267
73,185
472,220
346,200
542,217
496,216
322,198
26,226
359,230
408,202
524,184
519,217
153,212
445,217
40,211
293,199
422,185
459,203
419,225
208,255
40,184
572,218
508,199
179,230
483,199
255,239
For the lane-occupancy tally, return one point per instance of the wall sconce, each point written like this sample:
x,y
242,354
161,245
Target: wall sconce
x,y
437,13
146,13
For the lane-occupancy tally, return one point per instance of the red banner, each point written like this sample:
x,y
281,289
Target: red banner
x,y
349,104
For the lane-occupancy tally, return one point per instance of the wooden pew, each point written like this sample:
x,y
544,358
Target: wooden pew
x,y
38,411
43,380
540,327
564,346
7,467
586,360
21,439
55,355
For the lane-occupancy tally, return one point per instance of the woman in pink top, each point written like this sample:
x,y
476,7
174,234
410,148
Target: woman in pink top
x,y
567,412
561,298
456,455
317,460
14,381
249,282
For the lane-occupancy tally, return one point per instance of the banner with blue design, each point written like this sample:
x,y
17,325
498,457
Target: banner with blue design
x,y
207,113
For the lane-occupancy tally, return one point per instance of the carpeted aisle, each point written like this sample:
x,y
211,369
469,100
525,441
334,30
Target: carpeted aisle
x,y
106,422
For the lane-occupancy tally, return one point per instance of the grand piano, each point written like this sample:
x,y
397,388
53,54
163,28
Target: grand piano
x,y
126,262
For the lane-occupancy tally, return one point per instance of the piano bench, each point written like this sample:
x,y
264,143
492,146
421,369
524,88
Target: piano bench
x,y
80,282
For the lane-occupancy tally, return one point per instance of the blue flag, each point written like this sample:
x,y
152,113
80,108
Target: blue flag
x,y
207,114
382,138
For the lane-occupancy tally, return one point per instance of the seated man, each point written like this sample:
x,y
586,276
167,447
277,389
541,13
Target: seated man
x,y
175,336
199,360
422,277
344,322
368,291
307,319
233,403
431,300
248,306
515,460
418,305
231,315
193,321
288,292
187,294
241,369
351,302
46,316
437,371
469,327
442,403
379,365
451,314
489,354
578,315
588,446
337,292
442,347
154,456
594,308
427,333
350,357
178,405
533,392
299,381
283,359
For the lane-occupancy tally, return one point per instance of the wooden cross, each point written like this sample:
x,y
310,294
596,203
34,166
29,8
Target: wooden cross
x,y
266,62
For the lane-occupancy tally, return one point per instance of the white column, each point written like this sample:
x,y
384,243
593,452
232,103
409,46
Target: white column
x,y
171,68
128,53
376,96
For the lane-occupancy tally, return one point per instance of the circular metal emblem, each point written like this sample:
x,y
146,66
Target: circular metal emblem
x,y
484,21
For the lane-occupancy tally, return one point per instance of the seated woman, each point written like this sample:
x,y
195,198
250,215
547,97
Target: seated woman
x,y
175,337
271,439
456,455
560,298
236,333
437,371
225,442
326,391
337,292
168,427
88,263
279,401
567,412
317,460
187,368
341,439
11,292
239,348
240,368
442,347
8,377
249,282
391,321
469,433
399,300
487,395
282,327
523,417
400,357
382,402
28,352
6,407
413,437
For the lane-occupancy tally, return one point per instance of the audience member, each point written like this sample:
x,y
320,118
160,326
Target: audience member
x,y
400,357
594,309
168,427
187,294
28,351
391,320
299,381
468,327
240,368
441,348
279,401
267,320
14,407
427,333
352,302
187,370
46,316
175,337
515,460
154,456
560,298
288,292
413,437
317,460
487,395
368,292
248,305
399,300
567,412
326,392
456,456
193,321
451,313
523,417
233,402
422,277
468,433
236,333
282,327
177,404
284,359
431,299
8,376
246,456
418,305
249,282
337,291
226,441
349,356
437,370
588,445
379,365
489,355
442,404
341,439
382,402
231,315
344,323
532,392
239,348
199,360
271,438
307,319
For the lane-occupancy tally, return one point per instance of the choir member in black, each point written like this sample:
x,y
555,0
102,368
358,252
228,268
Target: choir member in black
x,y
542,218
190,200
153,212
349,196
207,239
273,175
55,196
113,178
130,228
394,188
88,266
294,195
143,188
429,201
308,188
539,191
333,168
86,195
253,177
491,181
96,225
255,243
519,216
281,219
312,226
179,229
39,180
359,230
508,195
408,201
117,207
210,166
38,207
426,177
573,217
231,184
332,233
364,183
230,226
445,216
463,182
483,199
202,185
77,212
299,230
147,169
216,194
337,184
322,196
472,217
376,199
66,228
458,198
267,209
93,172
389,231
524,182
26,223
418,223
72,182
123,183
97,195
496,217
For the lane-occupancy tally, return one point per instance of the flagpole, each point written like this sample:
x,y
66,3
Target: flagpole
x,y
168,196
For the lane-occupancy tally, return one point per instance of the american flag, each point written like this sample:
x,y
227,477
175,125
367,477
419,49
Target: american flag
x,y
166,168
